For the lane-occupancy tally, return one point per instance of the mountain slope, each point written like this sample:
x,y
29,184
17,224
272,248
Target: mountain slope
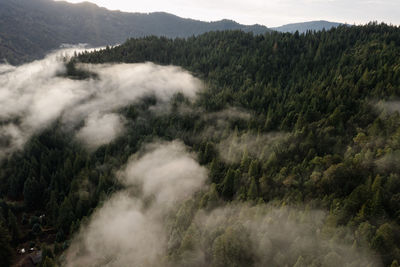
x,y
307,26
299,133
322,89
30,28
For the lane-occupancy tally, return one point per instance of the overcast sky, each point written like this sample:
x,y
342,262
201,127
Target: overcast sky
x,y
267,12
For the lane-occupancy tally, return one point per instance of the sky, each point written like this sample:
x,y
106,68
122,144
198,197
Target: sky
x,y
266,12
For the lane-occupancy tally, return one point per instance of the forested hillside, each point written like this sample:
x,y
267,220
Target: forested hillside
x,y
299,134
29,29
303,27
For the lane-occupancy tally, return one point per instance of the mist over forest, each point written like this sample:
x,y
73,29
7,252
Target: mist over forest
x,y
223,149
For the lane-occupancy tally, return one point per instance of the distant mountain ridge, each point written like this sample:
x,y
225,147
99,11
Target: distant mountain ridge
x,y
303,27
31,28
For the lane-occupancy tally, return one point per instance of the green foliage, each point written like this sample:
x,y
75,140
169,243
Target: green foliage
x,y
319,130
66,215
228,184
229,249
321,89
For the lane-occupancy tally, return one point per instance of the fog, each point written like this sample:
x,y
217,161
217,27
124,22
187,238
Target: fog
x,y
259,146
37,94
266,235
100,129
168,173
129,230
156,221
388,107
232,143
220,123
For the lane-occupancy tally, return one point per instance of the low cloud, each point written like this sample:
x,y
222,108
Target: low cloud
x,y
100,129
260,146
390,162
129,230
156,221
388,107
34,95
168,173
263,235
219,123
223,129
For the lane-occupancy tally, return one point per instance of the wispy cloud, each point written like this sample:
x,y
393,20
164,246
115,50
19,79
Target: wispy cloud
x,y
34,95
130,229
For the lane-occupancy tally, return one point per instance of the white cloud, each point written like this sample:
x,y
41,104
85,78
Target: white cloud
x,y
168,173
34,95
100,129
129,230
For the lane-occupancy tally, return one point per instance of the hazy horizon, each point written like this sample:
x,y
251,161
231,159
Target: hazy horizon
x,y
272,13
